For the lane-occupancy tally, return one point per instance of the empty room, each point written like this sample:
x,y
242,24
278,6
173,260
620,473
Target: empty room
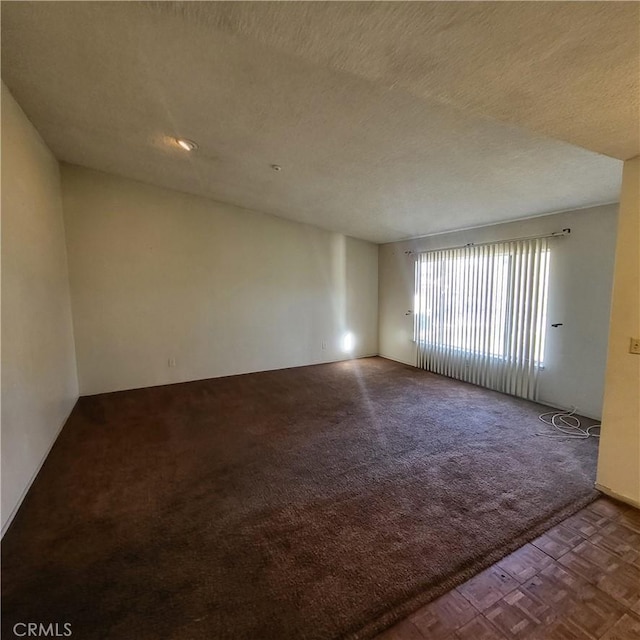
x,y
320,320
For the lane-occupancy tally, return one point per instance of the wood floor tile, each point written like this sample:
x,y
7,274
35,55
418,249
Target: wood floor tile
x,y
488,587
623,585
566,579
575,601
627,628
560,630
619,531
631,519
586,522
607,507
594,615
519,614
404,630
597,555
440,618
555,593
557,541
619,540
590,561
525,562
479,629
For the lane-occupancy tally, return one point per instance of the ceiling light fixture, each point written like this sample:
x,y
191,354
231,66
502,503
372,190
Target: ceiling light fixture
x,y
187,145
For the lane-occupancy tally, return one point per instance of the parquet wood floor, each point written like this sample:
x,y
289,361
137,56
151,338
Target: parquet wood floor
x,y
578,581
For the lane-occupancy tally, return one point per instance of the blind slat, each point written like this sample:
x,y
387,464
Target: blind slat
x,y
480,313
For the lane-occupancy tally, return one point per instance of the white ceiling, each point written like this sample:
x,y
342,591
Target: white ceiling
x,y
390,120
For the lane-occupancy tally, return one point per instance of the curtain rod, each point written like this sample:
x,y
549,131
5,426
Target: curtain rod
x,y
555,234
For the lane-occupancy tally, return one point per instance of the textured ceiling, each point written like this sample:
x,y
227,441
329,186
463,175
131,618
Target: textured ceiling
x,y
569,70
390,120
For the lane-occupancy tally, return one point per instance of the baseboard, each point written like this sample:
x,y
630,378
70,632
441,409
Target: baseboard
x,y
346,358
23,495
410,364
539,401
617,496
563,407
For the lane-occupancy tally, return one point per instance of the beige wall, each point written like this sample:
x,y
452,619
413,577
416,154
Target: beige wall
x,y
579,297
619,459
39,383
158,274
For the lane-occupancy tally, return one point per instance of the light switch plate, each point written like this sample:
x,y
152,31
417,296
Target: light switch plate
x,y
634,345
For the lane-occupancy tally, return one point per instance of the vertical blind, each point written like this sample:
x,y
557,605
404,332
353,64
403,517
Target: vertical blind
x,y
480,313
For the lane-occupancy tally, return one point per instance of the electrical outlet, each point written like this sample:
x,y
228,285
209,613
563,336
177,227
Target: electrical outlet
x,y
171,362
634,345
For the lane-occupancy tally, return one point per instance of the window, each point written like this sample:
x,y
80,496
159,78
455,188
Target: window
x,y
480,313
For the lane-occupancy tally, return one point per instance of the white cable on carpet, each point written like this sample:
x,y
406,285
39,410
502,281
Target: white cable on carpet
x,y
568,425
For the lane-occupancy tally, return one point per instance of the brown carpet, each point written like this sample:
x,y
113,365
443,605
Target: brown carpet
x,y
317,502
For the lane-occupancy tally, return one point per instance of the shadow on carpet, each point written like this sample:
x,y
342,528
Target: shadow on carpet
x,y
318,502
